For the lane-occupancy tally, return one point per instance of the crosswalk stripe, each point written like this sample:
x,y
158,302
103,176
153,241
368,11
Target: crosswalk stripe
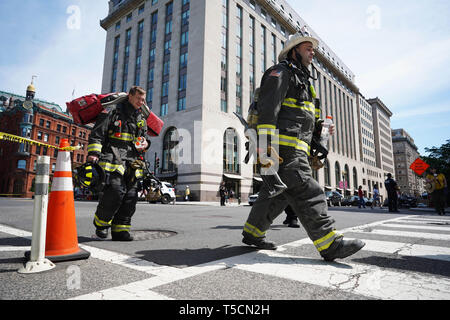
x,y
367,280
356,278
427,219
429,222
390,225
407,249
399,233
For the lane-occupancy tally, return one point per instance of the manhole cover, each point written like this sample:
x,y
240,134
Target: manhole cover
x,y
141,235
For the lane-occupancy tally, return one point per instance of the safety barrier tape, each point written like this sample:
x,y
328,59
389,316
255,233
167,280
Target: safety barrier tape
x,y
13,138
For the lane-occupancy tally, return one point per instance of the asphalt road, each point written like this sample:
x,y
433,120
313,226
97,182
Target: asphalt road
x,y
194,252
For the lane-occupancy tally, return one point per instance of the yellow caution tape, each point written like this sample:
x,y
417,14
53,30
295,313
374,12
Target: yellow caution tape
x,y
13,138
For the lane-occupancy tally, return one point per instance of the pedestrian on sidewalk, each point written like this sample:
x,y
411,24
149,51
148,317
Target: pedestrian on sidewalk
x,y
392,188
439,183
361,198
222,193
376,197
187,193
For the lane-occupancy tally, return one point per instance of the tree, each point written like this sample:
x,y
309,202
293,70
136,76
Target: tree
x,y
439,158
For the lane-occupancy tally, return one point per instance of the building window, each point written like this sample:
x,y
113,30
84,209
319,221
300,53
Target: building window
x,y
181,104
165,89
21,164
185,38
337,173
326,172
126,61
140,40
183,60
183,82
230,152
141,9
164,109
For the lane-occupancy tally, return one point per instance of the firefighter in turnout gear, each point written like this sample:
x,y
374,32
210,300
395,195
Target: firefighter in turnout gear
x,y
287,120
117,144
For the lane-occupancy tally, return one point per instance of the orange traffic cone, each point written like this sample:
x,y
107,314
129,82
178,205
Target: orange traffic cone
x,y
61,238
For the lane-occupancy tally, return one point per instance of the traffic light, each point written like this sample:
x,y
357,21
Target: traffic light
x,y
157,162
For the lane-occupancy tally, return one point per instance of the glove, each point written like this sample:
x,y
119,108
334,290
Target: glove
x,y
267,162
315,163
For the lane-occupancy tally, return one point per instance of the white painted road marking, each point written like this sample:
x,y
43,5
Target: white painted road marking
x,y
367,280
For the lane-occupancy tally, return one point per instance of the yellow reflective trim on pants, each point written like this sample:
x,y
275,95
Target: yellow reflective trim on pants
x,y
254,231
120,228
326,241
95,147
101,223
109,167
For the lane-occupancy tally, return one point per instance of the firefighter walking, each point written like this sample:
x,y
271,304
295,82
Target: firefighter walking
x,y
287,119
117,144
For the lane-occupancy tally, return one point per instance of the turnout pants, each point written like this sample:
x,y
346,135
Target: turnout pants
x,y
117,205
306,198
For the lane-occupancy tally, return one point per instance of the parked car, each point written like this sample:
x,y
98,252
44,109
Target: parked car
x,y
407,202
368,201
334,198
252,199
350,201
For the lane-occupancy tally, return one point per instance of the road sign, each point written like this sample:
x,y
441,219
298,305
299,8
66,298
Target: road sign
x,y
419,166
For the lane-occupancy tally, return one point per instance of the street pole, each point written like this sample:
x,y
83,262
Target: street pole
x,y
38,262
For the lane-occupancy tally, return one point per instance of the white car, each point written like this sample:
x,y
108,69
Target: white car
x,y
167,192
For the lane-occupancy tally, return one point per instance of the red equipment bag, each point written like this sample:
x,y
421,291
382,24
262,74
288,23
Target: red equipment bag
x,y
85,110
154,125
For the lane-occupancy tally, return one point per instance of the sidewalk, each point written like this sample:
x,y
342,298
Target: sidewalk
x,y
430,210
211,203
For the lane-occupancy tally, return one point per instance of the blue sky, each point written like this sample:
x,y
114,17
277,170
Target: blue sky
x,y
398,50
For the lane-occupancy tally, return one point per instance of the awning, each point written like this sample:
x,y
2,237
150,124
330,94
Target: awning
x,y
233,176
167,175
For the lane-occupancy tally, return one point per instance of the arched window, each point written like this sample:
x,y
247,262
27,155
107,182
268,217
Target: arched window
x,y
337,173
231,162
170,154
326,171
346,176
355,178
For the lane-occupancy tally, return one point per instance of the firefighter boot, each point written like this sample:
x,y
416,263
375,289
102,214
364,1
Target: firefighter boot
x,y
342,249
121,236
259,243
101,232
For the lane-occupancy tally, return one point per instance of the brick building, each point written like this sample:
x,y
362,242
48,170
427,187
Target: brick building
x,y
40,121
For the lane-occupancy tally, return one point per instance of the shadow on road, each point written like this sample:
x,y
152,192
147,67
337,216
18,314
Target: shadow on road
x,y
192,257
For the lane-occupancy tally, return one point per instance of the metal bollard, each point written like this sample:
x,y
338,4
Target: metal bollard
x,y
38,262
